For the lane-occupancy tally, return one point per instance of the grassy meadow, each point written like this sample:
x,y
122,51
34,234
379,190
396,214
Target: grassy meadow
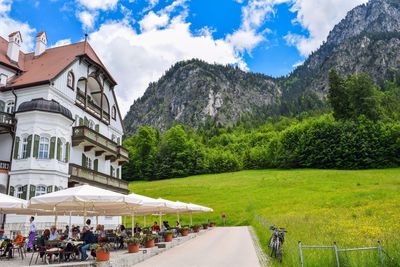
x,y
353,208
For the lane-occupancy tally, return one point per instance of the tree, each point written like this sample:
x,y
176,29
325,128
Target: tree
x,y
338,96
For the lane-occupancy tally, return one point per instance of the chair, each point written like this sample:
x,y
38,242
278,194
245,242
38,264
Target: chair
x,y
20,248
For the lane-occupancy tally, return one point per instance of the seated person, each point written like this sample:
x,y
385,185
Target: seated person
x,y
155,227
88,238
2,235
18,241
5,244
42,241
122,234
75,234
137,229
53,234
100,233
165,226
178,225
66,232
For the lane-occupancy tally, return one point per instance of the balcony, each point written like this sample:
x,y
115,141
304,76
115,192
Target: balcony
x,y
4,166
81,175
7,122
94,140
91,107
123,155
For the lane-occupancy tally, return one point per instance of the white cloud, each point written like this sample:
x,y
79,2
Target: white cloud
x,y
135,59
250,34
153,21
9,25
98,4
318,17
62,42
88,19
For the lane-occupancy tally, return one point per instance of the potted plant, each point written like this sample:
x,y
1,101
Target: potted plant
x,y
212,224
184,231
205,225
196,228
133,244
149,241
102,251
168,236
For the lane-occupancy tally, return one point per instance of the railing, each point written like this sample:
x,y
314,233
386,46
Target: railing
x,y
7,118
89,175
94,137
4,165
106,117
80,97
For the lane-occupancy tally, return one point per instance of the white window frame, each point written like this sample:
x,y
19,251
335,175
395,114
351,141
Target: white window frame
x,y
70,79
44,148
24,147
19,191
41,190
10,107
92,125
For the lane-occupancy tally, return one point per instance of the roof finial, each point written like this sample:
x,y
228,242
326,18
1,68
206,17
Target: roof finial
x,y
84,46
86,35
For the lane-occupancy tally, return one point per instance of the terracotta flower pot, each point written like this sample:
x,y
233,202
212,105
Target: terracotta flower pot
x,y
102,255
168,237
212,224
205,227
149,244
185,232
196,229
133,248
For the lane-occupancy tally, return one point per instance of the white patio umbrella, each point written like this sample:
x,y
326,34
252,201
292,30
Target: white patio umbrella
x,y
174,206
9,204
83,199
194,208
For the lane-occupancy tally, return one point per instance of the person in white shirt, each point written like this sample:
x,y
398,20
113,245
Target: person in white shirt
x,y
32,233
53,233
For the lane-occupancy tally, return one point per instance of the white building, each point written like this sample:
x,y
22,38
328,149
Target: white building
x,y
60,125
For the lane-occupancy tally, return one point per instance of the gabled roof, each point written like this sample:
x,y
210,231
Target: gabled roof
x,y
47,66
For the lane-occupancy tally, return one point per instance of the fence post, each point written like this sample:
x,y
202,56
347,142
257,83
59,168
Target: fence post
x,y
380,253
301,254
336,254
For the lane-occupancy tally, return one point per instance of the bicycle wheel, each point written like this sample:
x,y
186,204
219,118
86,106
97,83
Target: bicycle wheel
x,y
279,254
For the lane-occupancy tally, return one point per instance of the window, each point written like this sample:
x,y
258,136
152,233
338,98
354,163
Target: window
x,y
112,171
24,148
40,190
91,124
10,107
44,145
19,191
89,163
114,113
70,80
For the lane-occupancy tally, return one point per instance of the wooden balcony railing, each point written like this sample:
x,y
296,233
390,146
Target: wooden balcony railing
x,y
84,175
85,134
123,152
5,165
7,118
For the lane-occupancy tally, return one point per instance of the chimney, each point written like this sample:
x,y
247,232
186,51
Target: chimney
x,y
41,42
14,45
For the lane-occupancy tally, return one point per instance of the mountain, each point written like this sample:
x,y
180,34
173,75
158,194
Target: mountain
x,y
194,92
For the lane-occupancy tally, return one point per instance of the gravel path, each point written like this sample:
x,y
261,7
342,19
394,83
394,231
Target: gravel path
x,y
223,246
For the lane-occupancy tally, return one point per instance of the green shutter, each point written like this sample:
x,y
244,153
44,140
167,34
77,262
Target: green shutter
x,y
2,106
97,128
49,189
59,148
111,170
83,160
86,121
67,152
24,191
29,146
56,188
12,190
16,147
36,146
81,122
117,172
52,147
32,191
96,164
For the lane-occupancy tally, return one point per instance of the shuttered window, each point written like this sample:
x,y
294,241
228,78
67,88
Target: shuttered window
x,y
32,191
67,152
42,147
16,147
36,140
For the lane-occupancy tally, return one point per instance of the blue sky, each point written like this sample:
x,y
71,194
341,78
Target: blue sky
x,y
139,40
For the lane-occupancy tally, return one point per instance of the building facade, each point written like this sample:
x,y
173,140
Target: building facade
x,y
60,124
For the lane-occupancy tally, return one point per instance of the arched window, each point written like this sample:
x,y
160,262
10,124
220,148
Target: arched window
x,y
40,190
10,107
70,80
91,124
44,145
114,113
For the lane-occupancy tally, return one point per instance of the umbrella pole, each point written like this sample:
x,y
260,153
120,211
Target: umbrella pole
x,y
133,222
97,220
160,219
177,215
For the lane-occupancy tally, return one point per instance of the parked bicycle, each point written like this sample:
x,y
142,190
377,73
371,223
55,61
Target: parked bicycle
x,y
276,242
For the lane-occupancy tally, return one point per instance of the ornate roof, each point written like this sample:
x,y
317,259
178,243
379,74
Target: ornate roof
x,y
46,106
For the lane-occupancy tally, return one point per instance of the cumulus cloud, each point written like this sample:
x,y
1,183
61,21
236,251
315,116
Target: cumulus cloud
x,y
318,18
137,58
98,4
62,42
152,21
250,34
87,19
9,25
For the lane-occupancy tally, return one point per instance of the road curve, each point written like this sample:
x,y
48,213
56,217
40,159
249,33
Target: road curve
x,y
222,246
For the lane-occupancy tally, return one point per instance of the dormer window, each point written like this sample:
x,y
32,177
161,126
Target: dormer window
x,y
10,107
3,79
114,113
70,80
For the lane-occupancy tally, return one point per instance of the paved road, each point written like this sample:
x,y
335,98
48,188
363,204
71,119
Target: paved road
x,y
220,247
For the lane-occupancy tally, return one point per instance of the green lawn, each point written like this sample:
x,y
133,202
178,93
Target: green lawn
x,y
353,208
